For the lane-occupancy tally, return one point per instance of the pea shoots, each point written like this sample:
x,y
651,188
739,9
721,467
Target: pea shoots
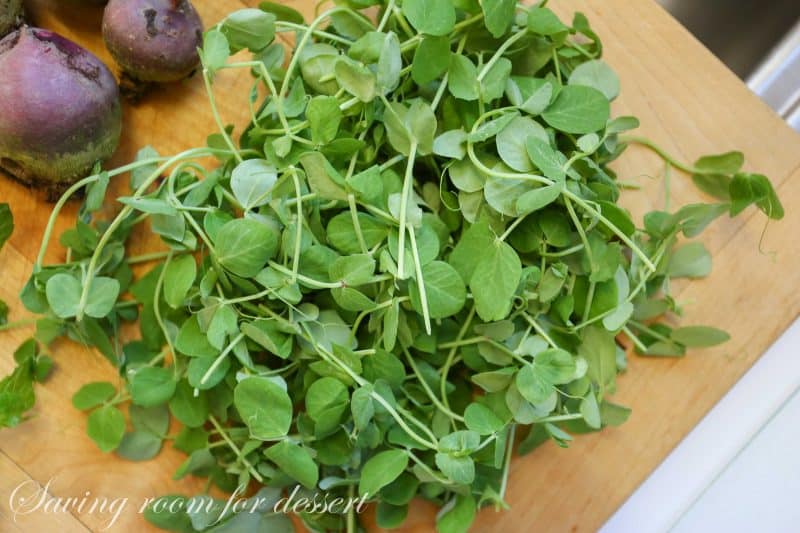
x,y
412,260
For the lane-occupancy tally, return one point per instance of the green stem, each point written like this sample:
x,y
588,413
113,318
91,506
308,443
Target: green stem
x,y
351,201
451,356
217,118
51,222
539,329
507,462
18,324
218,361
446,410
351,514
302,44
124,212
423,295
406,193
647,143
499,53
291,26
559,418
298,230
235,449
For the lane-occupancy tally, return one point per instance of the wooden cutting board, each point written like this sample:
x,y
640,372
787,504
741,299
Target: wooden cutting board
x,y
687,101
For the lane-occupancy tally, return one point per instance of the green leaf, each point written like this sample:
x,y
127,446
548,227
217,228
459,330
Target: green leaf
x,y
613,414
267,334
192,341
139,446
93,394
691,260
462,79
539,198
252,181
169,513
16,394
616,320
282,12
458,515
389,516
716,185
578,109
326,401
152,206
102,297
494,81
433,17
539,100
494,381
489,129
598,75
341,232
216,51
511,142
150,386
351,24
190,410
324,118
600,351
694,218
431,59
356,79
106,427
251,28
6,223
445,290
243,246
481,419
421,122
64,295
459,469
591,411
543,21
548,161
368,48
555,365
533,385
295,461
451,144
748,189
495,280
264,407
466,176
473,244
390,64
95,195
322,177
498,16
179,277
380,470
353,270
727,163
699,336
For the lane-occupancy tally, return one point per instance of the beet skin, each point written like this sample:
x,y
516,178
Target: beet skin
x,y
153,40
59,109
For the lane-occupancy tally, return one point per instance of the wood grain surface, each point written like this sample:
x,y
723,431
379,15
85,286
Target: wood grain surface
x,y
687,101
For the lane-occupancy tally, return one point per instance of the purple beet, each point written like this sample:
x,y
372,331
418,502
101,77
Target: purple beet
x,y
59,109
10,15
153,41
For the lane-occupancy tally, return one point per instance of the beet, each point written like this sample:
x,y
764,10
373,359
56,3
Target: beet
x,y
153,40
60,111
10,15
